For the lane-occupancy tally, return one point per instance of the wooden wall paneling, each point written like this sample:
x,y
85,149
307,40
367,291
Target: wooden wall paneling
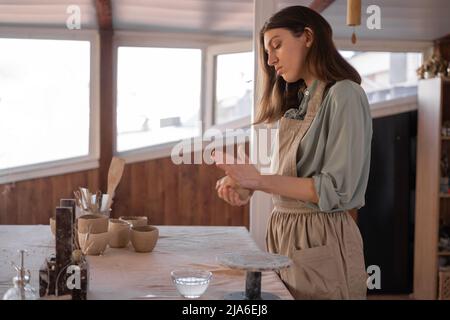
x,y
92,181
155,193
199,192
59,187
170,193
164,192
41,209
204,197
211,207
187,189
23,199
14,202
31,192
12,208
121,204
63,186
34,201
4,190
139,189
214,208
182,193
148,192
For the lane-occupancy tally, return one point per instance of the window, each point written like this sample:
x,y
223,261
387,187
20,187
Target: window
x,y
386,75
44,101
158,96
234,86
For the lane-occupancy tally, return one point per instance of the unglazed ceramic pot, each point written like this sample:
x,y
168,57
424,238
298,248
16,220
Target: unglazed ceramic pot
x,y
93,244
119,233
144,238
92,223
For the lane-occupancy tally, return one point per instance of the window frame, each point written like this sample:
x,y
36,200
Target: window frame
x,y
152,40
209,50
396,105
212,52
171,40
74,164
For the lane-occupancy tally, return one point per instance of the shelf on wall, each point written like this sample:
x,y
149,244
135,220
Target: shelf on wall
x,y
444,78
433,96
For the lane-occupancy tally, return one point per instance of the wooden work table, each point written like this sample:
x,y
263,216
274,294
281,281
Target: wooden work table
x,y
126,274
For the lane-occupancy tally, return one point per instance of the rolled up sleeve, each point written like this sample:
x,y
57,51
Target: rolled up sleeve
x,y
341,182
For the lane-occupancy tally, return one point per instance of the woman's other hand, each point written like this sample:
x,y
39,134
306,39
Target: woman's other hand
x,y
230,192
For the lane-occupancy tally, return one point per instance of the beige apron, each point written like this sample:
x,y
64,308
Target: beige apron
x,y
326,248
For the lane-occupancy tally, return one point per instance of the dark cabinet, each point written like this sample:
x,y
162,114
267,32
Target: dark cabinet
x,y
387,220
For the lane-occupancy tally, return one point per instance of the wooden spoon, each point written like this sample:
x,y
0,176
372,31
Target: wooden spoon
x,y
114,175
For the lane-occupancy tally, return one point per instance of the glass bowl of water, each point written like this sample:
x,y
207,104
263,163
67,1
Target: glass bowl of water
x,y
191,283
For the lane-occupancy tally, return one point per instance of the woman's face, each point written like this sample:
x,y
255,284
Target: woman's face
x,y
287,53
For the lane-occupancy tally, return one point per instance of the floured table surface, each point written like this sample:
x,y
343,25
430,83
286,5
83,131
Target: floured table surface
x,y
126,274
254,261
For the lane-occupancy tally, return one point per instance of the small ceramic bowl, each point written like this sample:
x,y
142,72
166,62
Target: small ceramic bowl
x,y
135,221
92,223
119,233
93,244
144,238
191,283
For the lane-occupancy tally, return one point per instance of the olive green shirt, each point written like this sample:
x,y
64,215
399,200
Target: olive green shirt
x,y
335,151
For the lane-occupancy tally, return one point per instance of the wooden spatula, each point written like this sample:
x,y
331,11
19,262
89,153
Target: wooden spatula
x,y
114,175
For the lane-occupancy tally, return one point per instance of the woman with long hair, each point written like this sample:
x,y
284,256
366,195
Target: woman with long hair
x,y
320,178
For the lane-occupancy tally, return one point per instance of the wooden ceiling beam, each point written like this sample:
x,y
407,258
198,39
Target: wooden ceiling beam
x,y
104,14
320,5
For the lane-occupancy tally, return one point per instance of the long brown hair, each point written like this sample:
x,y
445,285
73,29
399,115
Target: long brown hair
x,y
323,57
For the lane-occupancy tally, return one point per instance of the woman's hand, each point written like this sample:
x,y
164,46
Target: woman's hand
x,y
247,176
240,170
230,192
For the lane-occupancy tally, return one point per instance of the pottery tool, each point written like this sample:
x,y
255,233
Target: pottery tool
x,y
114,175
